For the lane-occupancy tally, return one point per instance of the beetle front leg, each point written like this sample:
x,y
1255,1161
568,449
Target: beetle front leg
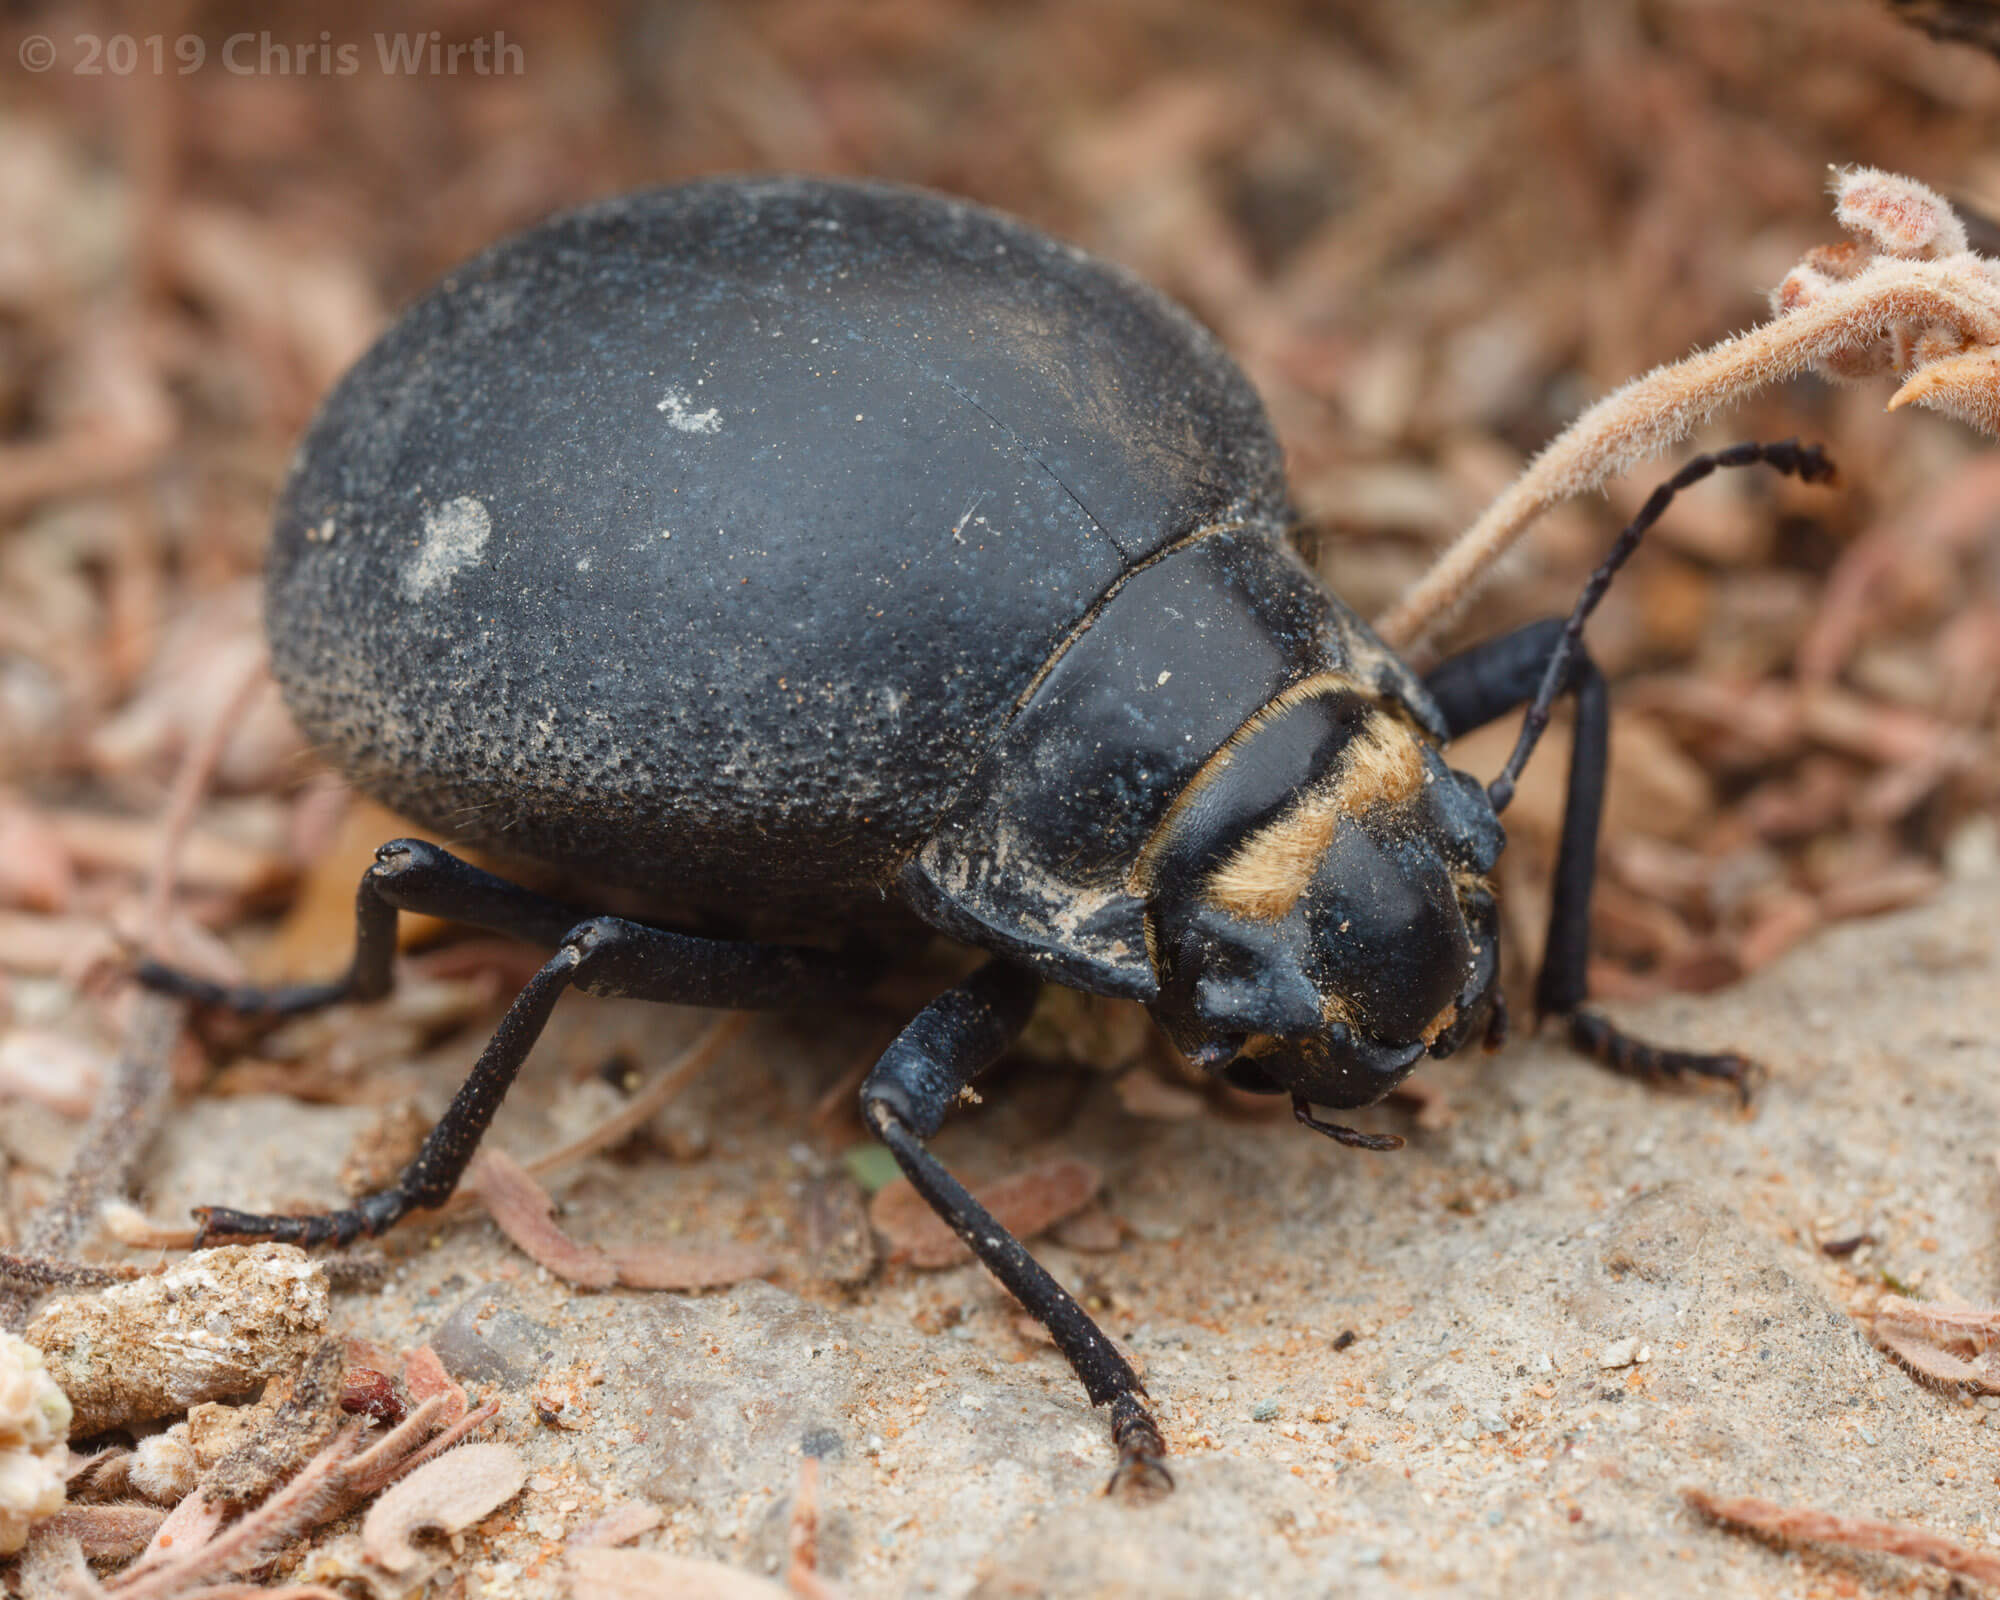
x,y
603,956
949,1043
1483,684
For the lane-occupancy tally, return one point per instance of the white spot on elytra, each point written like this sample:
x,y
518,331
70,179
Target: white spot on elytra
x,y
680,413
455,536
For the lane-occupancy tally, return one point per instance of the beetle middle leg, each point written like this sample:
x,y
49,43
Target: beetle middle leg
x,y
599,955
905,1099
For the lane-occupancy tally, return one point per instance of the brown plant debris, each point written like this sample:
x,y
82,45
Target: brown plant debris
x,y
294,1427
1950,1348
840,1243
523,1210
447,1494
39,1274
1793,1523
802,1574
198,1544
620,1525
104,1532
1026,1204
127,1112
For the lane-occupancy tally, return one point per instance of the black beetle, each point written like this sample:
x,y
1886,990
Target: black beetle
x,y
797,550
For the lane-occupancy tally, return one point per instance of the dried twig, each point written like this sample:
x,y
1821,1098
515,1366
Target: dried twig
x,y
128,1112
802,1575
43,1273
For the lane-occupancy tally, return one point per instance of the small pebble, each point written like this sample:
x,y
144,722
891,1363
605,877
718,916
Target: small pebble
x,y
1264,1411
1625,1353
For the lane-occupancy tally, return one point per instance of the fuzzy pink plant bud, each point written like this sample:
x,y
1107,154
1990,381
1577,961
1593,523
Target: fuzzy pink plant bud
x,y
1799,288
1899,216
1838,262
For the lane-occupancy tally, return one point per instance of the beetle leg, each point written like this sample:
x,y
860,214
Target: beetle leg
x,y
602,956
406,875
418,876
1486,682
918,1079
1353,1138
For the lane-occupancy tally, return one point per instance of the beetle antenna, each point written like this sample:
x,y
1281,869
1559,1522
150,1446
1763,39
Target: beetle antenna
x,y
1808,463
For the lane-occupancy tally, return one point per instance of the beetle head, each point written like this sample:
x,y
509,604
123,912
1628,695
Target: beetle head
x,y
1317,908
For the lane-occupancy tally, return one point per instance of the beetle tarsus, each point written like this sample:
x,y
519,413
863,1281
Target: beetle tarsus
x,y
289,1000
220,1224
1612,1047
1141,1473
1353,1138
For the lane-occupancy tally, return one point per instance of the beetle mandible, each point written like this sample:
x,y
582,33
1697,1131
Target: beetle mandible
x,y
818,549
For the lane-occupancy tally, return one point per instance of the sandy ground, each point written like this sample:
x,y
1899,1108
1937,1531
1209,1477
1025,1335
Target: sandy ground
x,y
1471,1437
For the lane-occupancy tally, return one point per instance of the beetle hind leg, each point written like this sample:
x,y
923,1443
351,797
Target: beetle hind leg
x,y
599,955
406,875
949,1043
